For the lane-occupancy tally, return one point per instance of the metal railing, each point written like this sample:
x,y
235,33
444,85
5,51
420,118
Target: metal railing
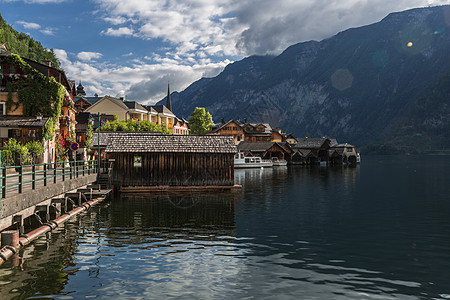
x,y
18,178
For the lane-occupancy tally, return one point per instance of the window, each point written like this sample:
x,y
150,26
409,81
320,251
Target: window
x,y
2,108
350,149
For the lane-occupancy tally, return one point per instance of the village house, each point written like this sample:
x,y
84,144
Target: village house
x,y
14,123
181,126
81,101
311,151
343,153
230,128
266,150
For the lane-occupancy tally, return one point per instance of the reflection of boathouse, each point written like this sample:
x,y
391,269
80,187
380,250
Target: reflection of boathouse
x,y
146,159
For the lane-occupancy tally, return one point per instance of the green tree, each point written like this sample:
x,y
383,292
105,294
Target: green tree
x,y
130,125
23,45
18,152
35,149
200,121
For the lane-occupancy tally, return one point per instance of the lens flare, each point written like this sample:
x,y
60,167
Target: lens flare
x,y
410,44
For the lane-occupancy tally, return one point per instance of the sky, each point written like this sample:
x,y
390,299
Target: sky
x,y
134,48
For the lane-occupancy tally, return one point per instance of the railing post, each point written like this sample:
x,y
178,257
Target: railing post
x,y
63,171
45,174
76,169
89,167
83,166
4,182
33,177
54,172
70,169
20,179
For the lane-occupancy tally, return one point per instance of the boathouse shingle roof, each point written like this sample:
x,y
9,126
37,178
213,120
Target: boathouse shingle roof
x,y
311,143
150,142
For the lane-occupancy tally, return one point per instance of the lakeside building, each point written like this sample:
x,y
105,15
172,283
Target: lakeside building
x,y
148,159
25,126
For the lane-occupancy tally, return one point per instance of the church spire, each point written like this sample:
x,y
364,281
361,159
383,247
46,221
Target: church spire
x,y
168,103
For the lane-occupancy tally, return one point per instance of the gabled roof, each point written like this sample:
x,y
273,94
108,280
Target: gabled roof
x,y
134,105
259,147
150,109
19,121
112,99
290,136
268,128
162,109
135,142
311,143
90,100
217,127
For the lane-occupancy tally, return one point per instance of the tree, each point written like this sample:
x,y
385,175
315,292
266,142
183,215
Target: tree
x,y
200,121
130,125
35,149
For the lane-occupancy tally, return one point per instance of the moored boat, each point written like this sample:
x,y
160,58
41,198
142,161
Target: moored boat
x,y
241,162
278,162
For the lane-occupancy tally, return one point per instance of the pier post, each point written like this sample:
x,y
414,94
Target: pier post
x,y
10,238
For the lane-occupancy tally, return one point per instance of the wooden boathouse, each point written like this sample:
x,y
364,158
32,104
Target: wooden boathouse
x,y
141,159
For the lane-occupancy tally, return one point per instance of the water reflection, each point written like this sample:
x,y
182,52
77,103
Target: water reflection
x,y
322,233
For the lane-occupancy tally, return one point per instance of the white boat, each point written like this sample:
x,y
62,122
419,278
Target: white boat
x,y
240,162
278,162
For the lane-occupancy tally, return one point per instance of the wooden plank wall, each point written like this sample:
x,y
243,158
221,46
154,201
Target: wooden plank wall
x,y
173,169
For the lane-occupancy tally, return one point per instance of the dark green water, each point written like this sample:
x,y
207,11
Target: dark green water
x,y
378,231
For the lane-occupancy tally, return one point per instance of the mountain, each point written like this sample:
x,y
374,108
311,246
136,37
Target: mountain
x,y
362,85
23,45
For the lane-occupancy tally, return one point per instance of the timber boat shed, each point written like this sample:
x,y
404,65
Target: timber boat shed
x,y
148,159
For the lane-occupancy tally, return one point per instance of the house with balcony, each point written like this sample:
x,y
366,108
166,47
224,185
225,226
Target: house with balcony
x,y
26,123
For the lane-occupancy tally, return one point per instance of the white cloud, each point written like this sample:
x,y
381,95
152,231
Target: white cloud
x,y
116,20
199,35
29,25
87,56
47,31
122,31
235,27
143,82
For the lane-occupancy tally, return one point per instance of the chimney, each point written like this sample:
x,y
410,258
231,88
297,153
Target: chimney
x,y
39,116
223,121
47,62
122,98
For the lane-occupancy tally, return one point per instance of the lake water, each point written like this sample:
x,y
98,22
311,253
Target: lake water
x,y
378,231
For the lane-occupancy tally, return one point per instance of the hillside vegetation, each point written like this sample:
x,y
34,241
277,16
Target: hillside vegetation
x,y
25,46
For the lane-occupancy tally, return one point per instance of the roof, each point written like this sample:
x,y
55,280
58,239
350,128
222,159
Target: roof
x,y
134,105
149,142
311,143
258,147
268,128
90,100
19,121
162,109
343,145
112,99
218,126
150,109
